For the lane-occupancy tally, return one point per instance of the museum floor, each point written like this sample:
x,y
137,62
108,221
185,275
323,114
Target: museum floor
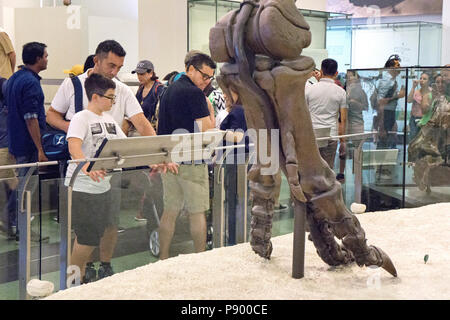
x,y
132,250
407,235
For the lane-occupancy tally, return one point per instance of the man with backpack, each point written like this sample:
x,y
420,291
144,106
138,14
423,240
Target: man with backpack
x,y
26,114
109,59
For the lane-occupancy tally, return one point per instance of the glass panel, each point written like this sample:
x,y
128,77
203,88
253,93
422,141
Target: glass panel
x,y
283,216
430,37
12,254
141,209
410,40
392,172
339,43
202,17
428,156
9,248
53,204
118,218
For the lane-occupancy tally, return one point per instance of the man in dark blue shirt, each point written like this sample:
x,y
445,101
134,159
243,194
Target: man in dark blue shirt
x,y
185,107
26,116
25,101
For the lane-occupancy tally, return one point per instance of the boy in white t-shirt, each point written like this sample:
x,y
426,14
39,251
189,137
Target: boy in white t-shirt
x,y
91,196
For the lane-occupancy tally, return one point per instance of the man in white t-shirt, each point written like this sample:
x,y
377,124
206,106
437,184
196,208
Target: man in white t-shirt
x,y
91,192
109,59
326,101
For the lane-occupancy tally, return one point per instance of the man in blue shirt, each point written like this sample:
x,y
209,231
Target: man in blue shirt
x,y
26,113
25,101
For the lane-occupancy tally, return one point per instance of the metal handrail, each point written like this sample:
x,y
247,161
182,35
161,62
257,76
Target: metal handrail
x,y
353,135
52,163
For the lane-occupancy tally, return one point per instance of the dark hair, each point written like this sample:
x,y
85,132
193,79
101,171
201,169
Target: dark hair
x,y
89,63
200,59
108,46
170,75
154,76
391,61
98,84
329,67
32,51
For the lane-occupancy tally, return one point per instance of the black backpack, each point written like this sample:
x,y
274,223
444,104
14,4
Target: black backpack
x,y
54,140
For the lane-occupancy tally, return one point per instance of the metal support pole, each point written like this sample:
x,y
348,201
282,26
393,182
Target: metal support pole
x,y
24,228
25,245
298,256
25,248
357,161
241,205
66,232
218,208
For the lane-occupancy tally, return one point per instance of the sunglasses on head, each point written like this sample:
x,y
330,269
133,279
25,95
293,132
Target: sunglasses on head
x,y
395,57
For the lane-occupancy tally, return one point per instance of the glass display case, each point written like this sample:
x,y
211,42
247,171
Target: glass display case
x,y
372,44
405,162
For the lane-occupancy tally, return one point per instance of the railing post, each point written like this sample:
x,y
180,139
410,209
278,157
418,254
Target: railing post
x,y
24,228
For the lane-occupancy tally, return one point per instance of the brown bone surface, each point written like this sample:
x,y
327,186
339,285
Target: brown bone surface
x,y
261,45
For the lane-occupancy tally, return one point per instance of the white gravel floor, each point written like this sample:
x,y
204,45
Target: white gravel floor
x,y
237,273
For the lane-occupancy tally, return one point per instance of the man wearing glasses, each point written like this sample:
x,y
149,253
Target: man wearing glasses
x,y
109,59
184,109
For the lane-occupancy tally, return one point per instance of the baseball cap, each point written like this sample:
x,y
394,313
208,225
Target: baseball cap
x,y
76,70
143,66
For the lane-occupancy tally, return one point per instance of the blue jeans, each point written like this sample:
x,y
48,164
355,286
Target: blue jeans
x,y
11,207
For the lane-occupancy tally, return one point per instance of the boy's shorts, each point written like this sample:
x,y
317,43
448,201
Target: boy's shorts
x,y
90,216
188,189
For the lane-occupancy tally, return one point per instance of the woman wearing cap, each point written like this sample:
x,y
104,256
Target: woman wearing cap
x,y
149,92
148,95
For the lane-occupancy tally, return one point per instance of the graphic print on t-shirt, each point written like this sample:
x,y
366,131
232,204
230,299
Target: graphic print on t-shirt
x,y
96,128
111,128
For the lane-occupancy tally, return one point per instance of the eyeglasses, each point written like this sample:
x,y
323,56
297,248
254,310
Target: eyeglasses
x,y
205,76
113,98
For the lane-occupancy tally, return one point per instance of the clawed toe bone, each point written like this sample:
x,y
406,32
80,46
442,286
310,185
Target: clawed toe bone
x,y
386,262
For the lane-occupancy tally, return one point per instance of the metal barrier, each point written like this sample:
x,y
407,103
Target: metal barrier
x,y
218,210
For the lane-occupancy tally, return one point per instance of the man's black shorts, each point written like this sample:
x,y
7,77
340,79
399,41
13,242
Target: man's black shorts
x,y
89,216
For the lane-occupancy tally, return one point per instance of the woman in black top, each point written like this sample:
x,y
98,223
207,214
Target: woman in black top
x,y
148,94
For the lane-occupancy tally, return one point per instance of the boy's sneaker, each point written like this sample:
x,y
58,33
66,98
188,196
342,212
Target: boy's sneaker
x,y
90,275
280,207
105,270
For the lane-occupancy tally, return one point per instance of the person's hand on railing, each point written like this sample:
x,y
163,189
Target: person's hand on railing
x,y
94,175
41,156
164,167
